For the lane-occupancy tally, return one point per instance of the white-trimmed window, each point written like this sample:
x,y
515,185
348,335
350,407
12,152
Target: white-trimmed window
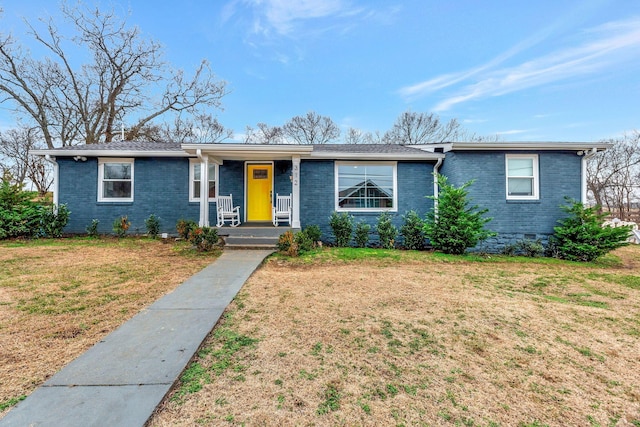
x,y
115,180
366,186
522,176
195,181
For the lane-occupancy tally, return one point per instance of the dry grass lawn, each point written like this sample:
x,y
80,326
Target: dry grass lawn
x,y
403,338
59,297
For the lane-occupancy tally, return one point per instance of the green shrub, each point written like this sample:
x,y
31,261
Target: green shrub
x,y
387,232
582,237
121,225
92,229
287,244
20,216
526,247
361,235
204,238
455,226
412,230
184,227
313,232
54,220
342,226
304,242
153,226
298,243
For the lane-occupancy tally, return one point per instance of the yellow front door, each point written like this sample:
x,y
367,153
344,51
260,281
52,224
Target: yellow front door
x,y
259,191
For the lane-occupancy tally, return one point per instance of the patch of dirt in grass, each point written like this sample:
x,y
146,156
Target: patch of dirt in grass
x,y
423,341
58,299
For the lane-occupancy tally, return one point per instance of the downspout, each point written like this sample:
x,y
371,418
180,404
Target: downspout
x,y
204,189
56,175
587,155
436,188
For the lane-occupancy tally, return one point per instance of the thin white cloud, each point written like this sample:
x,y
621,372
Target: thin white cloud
x,y
284,16
513,132
606,46
450,79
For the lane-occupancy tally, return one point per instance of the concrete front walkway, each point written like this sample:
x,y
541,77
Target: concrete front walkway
x,y
120,380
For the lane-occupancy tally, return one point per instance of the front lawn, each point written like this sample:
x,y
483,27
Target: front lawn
x,y
362,337
59,297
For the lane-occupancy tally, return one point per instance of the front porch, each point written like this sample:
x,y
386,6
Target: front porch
x,y
252,235
253,176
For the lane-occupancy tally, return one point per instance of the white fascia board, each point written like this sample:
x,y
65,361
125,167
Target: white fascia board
x,y
502,146
109,153
375,156
249,151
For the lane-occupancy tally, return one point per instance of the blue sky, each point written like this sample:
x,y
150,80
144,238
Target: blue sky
x,y
544,70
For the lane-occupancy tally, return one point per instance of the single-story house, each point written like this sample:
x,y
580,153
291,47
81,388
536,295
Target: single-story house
x,y
523,184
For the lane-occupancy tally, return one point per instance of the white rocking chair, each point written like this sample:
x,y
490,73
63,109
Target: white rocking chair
x,y
282,209
227,212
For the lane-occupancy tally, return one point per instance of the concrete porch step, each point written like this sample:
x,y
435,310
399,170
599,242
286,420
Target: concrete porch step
x,y
264,236
250,242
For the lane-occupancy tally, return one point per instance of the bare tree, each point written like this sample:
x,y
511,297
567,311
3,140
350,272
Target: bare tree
x,y
71,104
311,129
376,138
14,151
203,128
422,128
613,177
355,136
264,134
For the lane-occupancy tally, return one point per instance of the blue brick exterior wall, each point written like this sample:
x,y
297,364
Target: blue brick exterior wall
x,y
161,187
281,180
317,194
559,174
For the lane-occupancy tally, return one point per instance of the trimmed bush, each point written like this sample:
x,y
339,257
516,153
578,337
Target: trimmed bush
x,y
342,226
287,244
526,247
387,232
53,221
92,229
412,231
361,236
153,226
121,226
204,238
455,226
304,242
313,232
184,227
582,237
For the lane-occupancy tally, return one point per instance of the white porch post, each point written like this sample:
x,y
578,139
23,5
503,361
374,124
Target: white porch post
x,y
295,190
204,189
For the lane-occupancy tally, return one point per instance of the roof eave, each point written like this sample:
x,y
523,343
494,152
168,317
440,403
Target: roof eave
x,y
375,156
540,146
110,153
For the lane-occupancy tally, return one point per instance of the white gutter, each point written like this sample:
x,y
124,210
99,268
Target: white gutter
x,y
586,156
436,188
56,175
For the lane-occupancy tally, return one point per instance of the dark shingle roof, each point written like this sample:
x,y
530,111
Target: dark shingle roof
x,y
126,146
365,148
